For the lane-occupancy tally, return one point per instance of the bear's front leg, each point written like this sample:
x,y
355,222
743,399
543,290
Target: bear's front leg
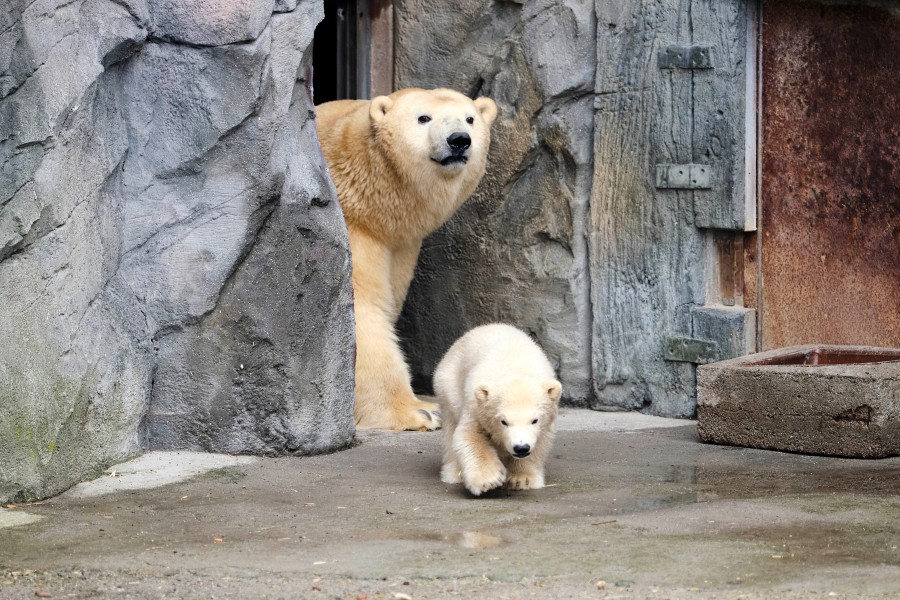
x,y
525,474
451,472
384,396
481,468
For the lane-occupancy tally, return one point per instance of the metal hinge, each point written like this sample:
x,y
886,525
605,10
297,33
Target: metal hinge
x,y
685,349
684,177
685,57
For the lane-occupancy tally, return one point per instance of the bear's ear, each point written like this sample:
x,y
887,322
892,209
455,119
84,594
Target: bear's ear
x,y
554,390
379,107
481,392
487,108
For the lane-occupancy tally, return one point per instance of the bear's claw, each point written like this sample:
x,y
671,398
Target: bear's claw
x,y
433,420
525,482
484,483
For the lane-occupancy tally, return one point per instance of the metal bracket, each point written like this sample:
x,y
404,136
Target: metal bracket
x,y
684,177
685,57
685,349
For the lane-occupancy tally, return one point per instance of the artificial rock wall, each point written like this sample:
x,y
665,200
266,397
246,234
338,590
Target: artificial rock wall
x,y
174,269
570,235
517,251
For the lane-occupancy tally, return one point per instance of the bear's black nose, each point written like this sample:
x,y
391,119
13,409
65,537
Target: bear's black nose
x,y
459,141
522,450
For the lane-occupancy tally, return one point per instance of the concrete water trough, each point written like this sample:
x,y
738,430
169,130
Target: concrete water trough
x,y
832,400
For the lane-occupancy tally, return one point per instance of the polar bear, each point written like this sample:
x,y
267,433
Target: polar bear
x,y
499,399
402,165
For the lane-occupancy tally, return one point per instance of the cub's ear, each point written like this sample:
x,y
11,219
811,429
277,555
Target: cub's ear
x,y
379,107
481,392
487,108
554,389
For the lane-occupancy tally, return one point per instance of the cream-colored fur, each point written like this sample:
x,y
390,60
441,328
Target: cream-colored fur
x,y
498,393
397,180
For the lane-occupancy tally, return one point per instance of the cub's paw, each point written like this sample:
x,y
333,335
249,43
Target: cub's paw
x,y
525,481
484,479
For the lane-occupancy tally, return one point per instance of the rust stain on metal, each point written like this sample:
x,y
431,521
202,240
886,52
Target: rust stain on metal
x,y
830,221
830,355
751,271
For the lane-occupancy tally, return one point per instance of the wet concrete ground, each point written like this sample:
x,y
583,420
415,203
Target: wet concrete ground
x,y
637,502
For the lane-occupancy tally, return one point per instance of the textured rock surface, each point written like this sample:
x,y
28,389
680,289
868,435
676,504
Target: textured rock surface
x,y
772,400
517,251
568,235
170,252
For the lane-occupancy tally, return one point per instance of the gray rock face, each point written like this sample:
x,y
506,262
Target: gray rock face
x,y
174,270
569,236
517,251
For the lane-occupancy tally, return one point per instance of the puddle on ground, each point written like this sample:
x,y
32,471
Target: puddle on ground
x,y
471,540
761,483
762,476
680,485
11,518
474,540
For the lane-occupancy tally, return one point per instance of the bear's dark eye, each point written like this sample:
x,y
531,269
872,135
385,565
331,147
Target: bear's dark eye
x,y
534,422
503,422
424,119
470,120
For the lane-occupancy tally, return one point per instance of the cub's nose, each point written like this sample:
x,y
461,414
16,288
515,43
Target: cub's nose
x,y
459,141
522,450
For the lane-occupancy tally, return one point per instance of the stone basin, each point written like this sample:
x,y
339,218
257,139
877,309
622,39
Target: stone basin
x,y
815,399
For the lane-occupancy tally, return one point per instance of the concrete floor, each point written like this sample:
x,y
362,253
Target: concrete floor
x,y
634,501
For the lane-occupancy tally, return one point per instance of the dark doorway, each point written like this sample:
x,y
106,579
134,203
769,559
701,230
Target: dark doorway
x,y
353,51
335,53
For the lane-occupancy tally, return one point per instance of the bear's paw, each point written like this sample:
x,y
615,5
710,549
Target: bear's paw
x,y
485,478
426,416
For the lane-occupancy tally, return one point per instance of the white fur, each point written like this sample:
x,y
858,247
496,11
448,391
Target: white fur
x,y
497,391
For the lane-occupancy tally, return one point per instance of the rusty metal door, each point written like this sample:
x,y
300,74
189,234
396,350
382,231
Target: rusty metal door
x,y
829,236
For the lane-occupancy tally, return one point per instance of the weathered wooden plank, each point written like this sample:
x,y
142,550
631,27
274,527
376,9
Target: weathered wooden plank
x,y
646,255
720,113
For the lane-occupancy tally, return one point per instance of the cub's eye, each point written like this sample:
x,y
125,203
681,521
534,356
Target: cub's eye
x,y
424,119
503,422
534,422
470,120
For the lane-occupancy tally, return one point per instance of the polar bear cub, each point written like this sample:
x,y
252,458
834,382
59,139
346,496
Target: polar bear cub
x,y
499,399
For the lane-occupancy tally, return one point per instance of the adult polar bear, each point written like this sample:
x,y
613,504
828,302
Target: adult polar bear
x,y
402,165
